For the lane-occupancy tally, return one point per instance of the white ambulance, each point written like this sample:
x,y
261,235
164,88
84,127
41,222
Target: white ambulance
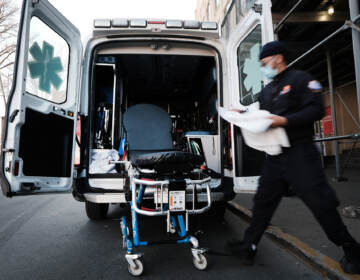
x,y
66,103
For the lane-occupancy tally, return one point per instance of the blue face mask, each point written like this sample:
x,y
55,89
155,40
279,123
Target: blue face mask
x,y
269,72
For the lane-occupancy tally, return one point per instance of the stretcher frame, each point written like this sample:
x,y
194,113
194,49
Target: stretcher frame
x,y
174,219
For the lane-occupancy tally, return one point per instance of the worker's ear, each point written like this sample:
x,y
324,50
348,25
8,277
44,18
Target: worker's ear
x,y
280,59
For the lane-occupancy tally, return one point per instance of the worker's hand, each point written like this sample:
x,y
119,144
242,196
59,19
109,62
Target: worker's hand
x,y
278,121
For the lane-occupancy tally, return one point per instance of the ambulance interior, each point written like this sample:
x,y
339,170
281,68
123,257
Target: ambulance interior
x,y
183,85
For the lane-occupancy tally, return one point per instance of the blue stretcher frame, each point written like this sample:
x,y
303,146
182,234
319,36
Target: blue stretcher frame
x,y
176,219
135,242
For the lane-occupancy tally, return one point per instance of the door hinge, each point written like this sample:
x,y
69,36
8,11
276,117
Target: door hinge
x,y
35,2
9,150
257,8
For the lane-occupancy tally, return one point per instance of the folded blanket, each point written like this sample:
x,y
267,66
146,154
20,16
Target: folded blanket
x,y
255,128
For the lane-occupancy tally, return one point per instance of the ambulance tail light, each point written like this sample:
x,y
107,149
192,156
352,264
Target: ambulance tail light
x,y
16,168
229,162
78,142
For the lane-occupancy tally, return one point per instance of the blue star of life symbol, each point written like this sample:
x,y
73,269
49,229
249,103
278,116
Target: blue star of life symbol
x,y
45,66
252,70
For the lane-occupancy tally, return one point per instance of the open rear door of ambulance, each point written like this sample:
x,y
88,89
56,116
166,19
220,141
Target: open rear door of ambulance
x,y
38,135
246,82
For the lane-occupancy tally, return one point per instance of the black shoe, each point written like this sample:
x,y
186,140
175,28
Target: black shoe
x,y
246,252
350,263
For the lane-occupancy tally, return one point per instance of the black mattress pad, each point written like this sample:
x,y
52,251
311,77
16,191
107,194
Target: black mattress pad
x,y
166,161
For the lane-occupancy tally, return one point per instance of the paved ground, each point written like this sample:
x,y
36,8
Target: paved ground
x,y
50,237
293,216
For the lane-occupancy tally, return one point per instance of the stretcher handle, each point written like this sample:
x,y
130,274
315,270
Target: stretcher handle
x,y
150,183
166,182
134,202
207,207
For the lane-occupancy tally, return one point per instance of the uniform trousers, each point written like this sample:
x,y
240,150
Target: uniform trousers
x,y
299,167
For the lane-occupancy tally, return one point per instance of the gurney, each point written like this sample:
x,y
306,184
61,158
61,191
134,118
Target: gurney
x,y
172,179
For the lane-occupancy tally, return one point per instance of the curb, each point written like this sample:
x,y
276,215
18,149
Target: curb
x,y
327,266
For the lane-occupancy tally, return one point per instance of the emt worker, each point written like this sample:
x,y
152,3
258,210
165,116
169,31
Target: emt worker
x,y
294,99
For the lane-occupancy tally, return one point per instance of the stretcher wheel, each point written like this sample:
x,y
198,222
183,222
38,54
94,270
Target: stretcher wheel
x,y
138,269
200,264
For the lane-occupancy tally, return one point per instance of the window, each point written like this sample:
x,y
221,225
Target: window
x,y
250,78
47,66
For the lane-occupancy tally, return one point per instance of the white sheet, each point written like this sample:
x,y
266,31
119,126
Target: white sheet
x,y
255,127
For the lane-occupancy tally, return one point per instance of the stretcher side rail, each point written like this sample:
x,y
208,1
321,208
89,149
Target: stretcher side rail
x,y
162,212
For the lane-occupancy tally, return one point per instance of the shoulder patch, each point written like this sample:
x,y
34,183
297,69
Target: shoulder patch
x,y
315,86
285,89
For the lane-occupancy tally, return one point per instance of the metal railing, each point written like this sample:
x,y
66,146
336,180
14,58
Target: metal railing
x,y
354,136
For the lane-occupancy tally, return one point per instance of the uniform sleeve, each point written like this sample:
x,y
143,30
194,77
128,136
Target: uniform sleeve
x,y
311,106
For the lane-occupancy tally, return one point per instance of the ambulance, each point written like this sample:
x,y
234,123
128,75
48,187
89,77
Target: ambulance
x,y
64,121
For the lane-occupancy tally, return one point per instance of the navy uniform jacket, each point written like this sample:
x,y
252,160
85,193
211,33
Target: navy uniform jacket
x,y
296,96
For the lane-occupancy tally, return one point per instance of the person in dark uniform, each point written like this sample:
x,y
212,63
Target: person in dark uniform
x,y
294,99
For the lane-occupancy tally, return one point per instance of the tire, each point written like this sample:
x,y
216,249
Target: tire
x,y
96,211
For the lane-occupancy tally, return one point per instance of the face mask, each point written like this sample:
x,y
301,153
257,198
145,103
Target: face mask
x,y
269,72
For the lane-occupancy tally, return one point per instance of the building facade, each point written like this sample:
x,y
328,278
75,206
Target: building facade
x,y
307,28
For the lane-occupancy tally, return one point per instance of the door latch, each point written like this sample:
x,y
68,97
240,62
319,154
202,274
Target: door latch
x,y
28,187
60,110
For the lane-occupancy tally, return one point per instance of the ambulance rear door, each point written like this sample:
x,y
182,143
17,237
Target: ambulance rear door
x,y
38,136
245,84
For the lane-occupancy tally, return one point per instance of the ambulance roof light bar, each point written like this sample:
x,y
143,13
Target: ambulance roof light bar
x,y
122,27
174,24
191,24
138,23
119,23
209,25
102,23
142,23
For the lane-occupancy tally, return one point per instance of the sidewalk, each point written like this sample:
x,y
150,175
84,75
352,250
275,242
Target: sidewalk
x,y
293,218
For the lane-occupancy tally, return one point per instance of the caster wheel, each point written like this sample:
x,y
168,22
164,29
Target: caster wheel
x,y
138,269
172,229
200,264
